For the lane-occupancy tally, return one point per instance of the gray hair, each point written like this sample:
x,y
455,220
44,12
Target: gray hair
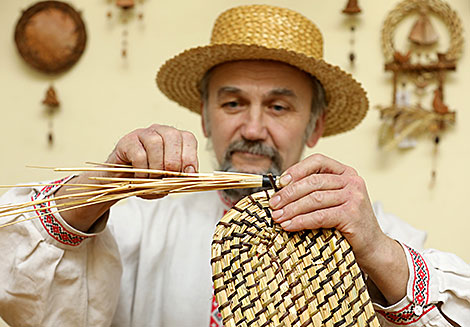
x,y
317,107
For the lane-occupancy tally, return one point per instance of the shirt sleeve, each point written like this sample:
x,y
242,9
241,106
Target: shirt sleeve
x,y
53,274
439,284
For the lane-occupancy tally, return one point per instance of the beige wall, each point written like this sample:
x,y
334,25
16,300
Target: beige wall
x,y
104,96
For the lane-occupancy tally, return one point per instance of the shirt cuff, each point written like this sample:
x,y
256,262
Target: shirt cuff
x,y
415,306
53,223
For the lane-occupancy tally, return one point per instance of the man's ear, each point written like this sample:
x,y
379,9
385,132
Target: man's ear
x,y
317,132
203,121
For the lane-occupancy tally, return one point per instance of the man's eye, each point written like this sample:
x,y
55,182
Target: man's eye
x,y
230,104
278,107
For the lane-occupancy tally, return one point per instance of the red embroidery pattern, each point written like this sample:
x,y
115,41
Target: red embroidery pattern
x,y
216,318
53,227
420,305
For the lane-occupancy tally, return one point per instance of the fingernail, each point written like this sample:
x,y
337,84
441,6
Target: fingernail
x,y
274,201
277,214
285,223
285,180
189,169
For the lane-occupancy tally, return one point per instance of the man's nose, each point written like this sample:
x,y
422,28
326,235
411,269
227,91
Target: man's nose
x,y
254,125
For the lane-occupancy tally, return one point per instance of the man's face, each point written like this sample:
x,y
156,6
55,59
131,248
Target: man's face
x,y
258,112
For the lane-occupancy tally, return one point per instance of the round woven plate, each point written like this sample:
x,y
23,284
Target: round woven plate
x,y
265,276
50,36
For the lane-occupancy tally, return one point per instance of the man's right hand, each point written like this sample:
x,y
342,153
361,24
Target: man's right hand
x,y
156,147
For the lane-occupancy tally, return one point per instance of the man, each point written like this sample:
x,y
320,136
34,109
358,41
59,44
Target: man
x,y
261,88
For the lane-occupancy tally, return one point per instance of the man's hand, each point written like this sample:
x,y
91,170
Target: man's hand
x,y
319,192
156,147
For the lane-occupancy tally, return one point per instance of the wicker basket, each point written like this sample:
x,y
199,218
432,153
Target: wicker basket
x,y
265,276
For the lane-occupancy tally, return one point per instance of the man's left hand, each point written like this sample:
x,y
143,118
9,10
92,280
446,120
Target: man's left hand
x,y
320,192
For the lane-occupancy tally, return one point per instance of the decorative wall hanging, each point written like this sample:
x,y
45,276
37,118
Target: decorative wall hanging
x,y
419,71
351,10
50,37
126,13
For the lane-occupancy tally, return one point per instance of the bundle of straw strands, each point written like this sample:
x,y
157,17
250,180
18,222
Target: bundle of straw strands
x,y
160,182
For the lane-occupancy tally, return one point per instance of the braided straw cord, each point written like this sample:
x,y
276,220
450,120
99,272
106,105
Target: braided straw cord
x,y
264,276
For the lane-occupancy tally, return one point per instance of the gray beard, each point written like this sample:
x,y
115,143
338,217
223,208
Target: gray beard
x,y
254,147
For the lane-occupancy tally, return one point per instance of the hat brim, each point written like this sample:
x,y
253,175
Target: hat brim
x,y
179,77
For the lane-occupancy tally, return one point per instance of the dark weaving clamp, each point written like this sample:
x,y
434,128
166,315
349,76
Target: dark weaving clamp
x,y
270,181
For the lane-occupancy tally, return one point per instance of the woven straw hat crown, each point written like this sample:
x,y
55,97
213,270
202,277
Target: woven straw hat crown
x,y
262,32
271,27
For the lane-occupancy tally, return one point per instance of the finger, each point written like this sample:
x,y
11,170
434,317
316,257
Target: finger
x,y
308,204
315,164
307,185
134,153
172,148
189,158
153,144
325,218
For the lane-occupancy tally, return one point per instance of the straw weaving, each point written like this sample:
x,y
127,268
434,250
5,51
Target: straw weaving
x,y
264,276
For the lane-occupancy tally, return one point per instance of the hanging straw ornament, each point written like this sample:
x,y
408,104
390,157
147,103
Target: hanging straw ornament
x,y
126,13
426,68
51,37
265,276
351,10
125,4
422,32
352,7
52,106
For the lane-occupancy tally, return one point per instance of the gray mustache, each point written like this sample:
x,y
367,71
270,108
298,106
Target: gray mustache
x,y
253,147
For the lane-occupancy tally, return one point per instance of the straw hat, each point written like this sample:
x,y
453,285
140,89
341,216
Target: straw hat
x,y
266,33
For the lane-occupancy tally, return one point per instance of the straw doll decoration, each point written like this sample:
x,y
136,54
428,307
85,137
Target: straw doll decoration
x,y
418,73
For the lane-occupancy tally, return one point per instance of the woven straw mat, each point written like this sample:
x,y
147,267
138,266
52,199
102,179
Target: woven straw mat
x,y
265,276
